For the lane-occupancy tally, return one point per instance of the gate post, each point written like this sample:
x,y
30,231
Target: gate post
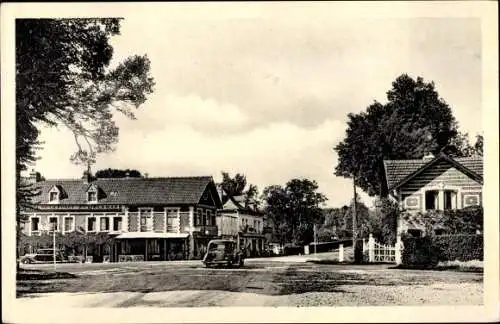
x,y
341,253
398,249
371,249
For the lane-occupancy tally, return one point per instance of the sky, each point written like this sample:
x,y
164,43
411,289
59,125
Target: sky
x,y
268,95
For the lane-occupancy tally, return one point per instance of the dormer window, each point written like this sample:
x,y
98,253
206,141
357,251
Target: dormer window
x,y
54,195
92,197
92,194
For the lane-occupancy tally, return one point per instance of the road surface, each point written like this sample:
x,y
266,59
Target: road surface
x,y
259,283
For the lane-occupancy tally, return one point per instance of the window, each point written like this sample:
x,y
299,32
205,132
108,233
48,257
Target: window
x,y
431,200
450,201
35,224
69,224
91,224
117,224
53,222
104,223
198,217
53,196
92,196
415,232
146,219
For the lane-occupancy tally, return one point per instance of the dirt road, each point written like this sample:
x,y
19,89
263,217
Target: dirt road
x,y
259,283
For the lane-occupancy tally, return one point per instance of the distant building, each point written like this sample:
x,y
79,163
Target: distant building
x,y
434,183
243,223
150,218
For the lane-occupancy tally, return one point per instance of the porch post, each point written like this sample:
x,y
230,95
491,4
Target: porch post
x,y
146,249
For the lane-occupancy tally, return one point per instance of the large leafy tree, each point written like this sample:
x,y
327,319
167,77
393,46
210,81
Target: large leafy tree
x,y
460,146
413,122
293,209
237,185
232,186
116,173
63,78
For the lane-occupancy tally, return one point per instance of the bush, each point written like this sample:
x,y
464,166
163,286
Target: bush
x,y
461,247
419,252
428,251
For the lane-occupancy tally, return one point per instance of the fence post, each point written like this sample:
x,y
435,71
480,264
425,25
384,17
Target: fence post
x,y
398,249
341,253
371,249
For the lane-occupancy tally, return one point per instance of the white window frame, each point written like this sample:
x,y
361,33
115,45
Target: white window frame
x,y
109,223
112,226
58,223
64,224
39,225
473,194
58,195
441,188
87,223
92,190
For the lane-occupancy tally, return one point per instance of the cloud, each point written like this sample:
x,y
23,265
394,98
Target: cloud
x,y
165,111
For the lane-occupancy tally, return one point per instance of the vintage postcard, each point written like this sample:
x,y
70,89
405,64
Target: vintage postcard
x,y
250,162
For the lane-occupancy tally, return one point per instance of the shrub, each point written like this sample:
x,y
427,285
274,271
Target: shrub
x,y
461,247
419,252
428,251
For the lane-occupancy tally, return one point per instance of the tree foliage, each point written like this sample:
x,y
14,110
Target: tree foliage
x,y
235,186
460,146
413,122
293,209
116,173
63,78
232,186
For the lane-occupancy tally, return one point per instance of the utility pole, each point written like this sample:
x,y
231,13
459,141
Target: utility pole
x,y
315,239
354,220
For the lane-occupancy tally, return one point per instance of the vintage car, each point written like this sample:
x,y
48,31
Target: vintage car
x,y
223,253
42,256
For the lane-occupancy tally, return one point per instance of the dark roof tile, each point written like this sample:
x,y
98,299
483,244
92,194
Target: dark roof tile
x,y
398,170
130,191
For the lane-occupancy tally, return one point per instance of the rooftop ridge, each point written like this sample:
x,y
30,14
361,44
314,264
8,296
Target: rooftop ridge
x,y
132,178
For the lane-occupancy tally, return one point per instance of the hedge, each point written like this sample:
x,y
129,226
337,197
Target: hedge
x,y
428,251
461,247
419,252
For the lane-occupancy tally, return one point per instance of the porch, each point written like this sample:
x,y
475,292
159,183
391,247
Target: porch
x,y
147,246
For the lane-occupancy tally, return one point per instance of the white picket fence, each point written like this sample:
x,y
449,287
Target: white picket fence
x,y
380,253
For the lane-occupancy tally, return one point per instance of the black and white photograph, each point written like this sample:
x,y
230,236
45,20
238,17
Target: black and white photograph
x,y
216,157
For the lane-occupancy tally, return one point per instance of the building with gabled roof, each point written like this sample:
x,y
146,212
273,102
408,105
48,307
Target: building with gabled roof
x,y
434,183
243,222
148,218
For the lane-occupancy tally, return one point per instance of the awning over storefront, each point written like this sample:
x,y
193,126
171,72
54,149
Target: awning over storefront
x,y
133,235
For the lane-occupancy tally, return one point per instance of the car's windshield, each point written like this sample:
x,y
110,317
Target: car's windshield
x,y
219,246
45,251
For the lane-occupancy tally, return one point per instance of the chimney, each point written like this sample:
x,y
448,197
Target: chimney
x,y
87,175
428,157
